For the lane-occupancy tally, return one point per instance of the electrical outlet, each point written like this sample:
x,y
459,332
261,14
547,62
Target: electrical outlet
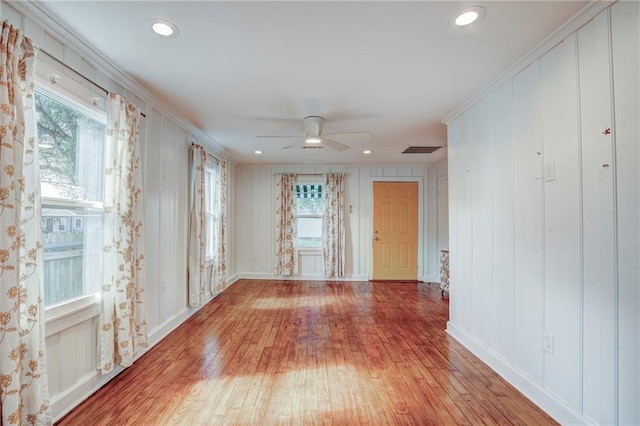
x,y
547,342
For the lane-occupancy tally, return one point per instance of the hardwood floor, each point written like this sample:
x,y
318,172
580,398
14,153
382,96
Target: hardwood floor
x,y
309,352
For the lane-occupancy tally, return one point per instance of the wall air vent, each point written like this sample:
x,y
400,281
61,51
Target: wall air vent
x,y
420,149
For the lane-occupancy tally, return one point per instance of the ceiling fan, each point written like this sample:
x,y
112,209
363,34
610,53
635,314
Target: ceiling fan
x,y
314,137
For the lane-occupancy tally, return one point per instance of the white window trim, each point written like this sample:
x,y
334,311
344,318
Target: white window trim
x,y
67,313
310,180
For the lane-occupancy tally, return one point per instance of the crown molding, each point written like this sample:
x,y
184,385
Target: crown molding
x,y
580,19
34,11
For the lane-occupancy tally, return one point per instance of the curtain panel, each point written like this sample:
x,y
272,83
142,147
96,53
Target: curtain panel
x,y
333,225
221,246
123,320
286,261
197,227
23,380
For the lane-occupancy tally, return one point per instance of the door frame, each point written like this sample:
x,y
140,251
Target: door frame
x,y
420,181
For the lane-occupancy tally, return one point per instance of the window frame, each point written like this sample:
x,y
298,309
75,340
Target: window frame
x,y
211,212
68,312
309,180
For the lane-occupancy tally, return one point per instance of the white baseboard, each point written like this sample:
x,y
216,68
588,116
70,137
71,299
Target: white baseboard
x,y
73,396
557,409
267,276
430,279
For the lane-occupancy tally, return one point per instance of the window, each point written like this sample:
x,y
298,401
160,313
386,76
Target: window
x,y
71,138
309,207
212,201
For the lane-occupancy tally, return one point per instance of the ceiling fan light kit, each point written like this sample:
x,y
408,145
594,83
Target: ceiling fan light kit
x,y
314,138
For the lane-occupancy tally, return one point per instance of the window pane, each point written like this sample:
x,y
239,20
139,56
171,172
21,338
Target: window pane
x,y
71,146
309,232
72,251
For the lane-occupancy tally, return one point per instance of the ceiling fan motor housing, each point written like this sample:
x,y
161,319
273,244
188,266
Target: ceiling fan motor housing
x,y
313,125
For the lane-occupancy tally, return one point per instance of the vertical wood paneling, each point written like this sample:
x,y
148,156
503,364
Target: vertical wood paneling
x,y
69,372
35,32
244,213
443,212
53,364
366,224
429,227
352,229
529,218
599,352
180,165
168,227
152,195
482,200
625,41
503,222
264,218
10,14
563,313
464,246
454,134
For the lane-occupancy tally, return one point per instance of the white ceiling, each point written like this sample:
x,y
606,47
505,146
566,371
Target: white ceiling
x,y
241,69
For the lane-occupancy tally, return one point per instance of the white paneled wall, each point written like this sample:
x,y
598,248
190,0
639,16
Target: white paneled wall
x,y
256,220
625,38
72,340
544,219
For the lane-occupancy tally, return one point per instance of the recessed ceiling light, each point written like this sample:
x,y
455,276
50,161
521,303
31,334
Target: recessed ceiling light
x,y
313,139
257,152
164,28
468,16
367,152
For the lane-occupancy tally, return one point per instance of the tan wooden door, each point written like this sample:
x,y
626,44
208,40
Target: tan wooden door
x,y
395,231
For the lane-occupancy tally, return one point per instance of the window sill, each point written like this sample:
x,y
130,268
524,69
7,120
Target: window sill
x,y
310,251
72,312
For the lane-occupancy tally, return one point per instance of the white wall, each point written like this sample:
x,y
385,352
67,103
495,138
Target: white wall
x,y
71,340
544,221
256,221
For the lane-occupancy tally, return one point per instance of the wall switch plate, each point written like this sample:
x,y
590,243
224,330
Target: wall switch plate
x,y
163,286
550,171
547,342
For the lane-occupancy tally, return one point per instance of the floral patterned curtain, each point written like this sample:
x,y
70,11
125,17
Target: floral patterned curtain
x,y
197,227
286,232
23,380
333,225
221,248
123,320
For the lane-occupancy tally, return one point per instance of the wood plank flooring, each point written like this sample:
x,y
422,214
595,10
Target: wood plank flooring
x,y
311,352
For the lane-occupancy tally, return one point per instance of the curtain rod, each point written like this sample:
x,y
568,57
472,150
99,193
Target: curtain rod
x,y
79,74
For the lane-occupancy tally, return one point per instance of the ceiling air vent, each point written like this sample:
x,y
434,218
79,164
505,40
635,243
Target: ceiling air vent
x,y
420,149
312,146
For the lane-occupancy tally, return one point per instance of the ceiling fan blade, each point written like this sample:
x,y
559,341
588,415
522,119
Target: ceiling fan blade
x,y
293,145
278,136
349,135
334,144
